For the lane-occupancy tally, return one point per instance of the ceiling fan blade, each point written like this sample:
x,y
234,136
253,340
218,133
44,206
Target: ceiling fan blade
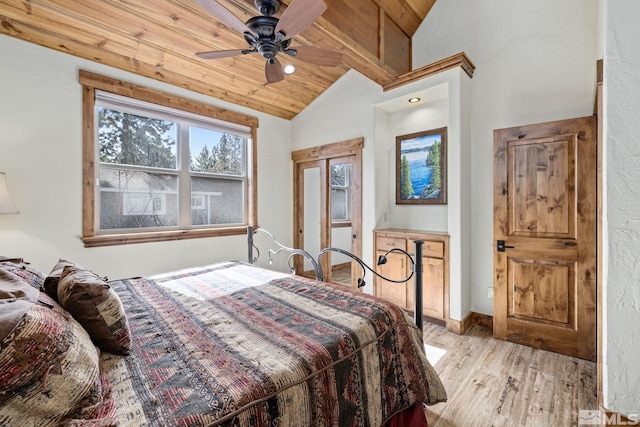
x,y
215,54
224,15
299,15
316,55
273,71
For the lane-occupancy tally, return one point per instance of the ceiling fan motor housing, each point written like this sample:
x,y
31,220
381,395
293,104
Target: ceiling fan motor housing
x,y
267,7
264,41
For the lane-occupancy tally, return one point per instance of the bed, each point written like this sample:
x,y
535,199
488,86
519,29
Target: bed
x,y
229,344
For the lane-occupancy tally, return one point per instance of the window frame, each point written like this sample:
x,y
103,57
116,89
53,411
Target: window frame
x,y
90,83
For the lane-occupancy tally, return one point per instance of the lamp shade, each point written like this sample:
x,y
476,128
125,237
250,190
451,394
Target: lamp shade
x,y
7,206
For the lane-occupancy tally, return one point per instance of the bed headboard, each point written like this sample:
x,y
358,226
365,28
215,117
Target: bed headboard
x,y
279,248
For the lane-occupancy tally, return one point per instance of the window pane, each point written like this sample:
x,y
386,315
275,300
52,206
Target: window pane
x,y
134,199
340,192
217,201
339,205
341,175
129,139
215,152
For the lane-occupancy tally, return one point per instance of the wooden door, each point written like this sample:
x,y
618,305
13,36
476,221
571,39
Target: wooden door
x,y
313,225
345,205
545,232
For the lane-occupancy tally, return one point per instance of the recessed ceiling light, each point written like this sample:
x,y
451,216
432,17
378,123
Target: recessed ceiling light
x,y
414,100
289,69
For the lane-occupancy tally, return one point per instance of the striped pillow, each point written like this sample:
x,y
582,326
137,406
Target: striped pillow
x,y
96,307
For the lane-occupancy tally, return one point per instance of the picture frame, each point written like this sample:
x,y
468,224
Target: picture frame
x,y
421,172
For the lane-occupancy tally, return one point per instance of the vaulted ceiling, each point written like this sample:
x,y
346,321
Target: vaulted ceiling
x,y
159,39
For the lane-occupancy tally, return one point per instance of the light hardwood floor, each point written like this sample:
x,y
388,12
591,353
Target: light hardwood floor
x,y
496,383
341,273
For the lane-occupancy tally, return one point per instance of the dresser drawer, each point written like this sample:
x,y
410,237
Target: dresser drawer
x,y
386,243
429,249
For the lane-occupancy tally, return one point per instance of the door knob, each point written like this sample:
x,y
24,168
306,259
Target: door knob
x,y
501,246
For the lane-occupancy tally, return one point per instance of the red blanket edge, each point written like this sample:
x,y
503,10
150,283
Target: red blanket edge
x,y
413,416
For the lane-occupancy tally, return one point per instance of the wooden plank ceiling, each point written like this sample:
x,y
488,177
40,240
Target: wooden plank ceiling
x,y
159,39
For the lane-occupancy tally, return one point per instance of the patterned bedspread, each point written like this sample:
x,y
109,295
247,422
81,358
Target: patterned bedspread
x,y
235,345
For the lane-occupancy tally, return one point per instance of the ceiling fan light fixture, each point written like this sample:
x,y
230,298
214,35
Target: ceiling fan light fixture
x,y
289,69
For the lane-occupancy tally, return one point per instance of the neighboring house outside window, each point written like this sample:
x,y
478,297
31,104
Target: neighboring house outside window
x,y
161,172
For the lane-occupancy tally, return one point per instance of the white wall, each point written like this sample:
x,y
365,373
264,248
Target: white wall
x,y
535,63
41,152
621,287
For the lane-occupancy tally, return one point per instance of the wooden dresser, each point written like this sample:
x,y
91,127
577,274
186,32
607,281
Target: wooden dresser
x,y
435,259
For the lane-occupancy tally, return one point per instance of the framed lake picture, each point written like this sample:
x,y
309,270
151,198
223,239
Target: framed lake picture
x,y
421,174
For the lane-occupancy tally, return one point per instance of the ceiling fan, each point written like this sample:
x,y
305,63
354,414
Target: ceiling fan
x,y
270,36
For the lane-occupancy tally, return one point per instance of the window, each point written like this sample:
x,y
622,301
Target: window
x,y
173,170
341,192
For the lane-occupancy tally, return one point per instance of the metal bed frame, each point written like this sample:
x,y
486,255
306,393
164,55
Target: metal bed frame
x,y
416,263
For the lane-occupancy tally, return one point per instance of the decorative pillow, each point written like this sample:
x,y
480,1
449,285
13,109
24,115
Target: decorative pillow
x,y
49,372
50,285
24,270
95,306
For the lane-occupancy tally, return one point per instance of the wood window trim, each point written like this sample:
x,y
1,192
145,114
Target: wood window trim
x,y
90,83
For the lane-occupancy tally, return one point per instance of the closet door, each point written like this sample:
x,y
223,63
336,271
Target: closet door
x,y
310,213
344,217
327,209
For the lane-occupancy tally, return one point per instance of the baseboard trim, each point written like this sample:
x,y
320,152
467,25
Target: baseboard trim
x,y
342,265
457,326
460,327
483,320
